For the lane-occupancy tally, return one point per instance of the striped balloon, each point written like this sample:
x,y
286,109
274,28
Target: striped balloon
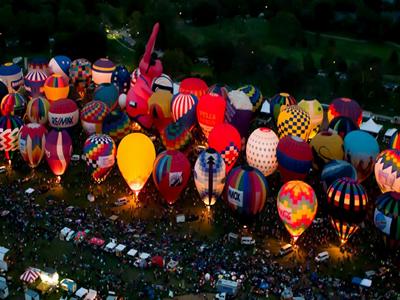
x,y
171,174
32,140
13,104
183,107
347,201
209,176
254,95
297,206
117,125
56,87
34,82
92,116
58,149
99,152
395,141
175,136
246,191
280,101
387,217
9,132
38,110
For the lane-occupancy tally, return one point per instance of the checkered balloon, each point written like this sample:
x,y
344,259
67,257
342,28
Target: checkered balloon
x,y
294,121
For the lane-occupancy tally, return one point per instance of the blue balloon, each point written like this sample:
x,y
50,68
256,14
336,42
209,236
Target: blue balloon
x,y
121,78
336,169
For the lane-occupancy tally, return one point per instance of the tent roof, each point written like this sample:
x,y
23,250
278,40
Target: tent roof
x,y
29,191
111,245
371,126
132,252
81,292
96,241
120,248
390,132
144,255
366,283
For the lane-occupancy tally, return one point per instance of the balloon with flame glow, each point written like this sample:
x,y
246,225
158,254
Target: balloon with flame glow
x,y
209,176
297,206
210,112
58,149
135,158
345,107
32,140
194,86
326,146
99,151
314,109
171,174
294,121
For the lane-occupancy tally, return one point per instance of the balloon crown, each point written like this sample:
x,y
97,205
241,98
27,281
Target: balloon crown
x,y
150,66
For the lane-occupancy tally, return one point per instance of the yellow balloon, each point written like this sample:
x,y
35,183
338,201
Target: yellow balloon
x,y
135,158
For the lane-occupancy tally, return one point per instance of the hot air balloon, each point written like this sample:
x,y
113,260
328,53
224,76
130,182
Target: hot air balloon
x,y
336,169
210,112
34,83
387,170
138,109
11,75
117,125
160,108
342,126
239,112
246,191
135,158
121,78
279,102
38,63
226,140
163,82
107,93
345,107
194,86
175,136
63,113
92,116
102,70
361,149
60,65
294,158
80,73
99,153
386,217
261,150
297,206
316,112
394,142
292,120
32,139
347,201
58,149
209,176
219,89
56,88
134,76
3,89
254,95
13,104
326,146
171,174
37,110
9,132
183,109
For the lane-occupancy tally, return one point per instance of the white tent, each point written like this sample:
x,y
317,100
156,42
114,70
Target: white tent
x,y
81,292
390,132
144,255
371,127
110,247
64,232
266,107
29,191
3,252
120,248
92,294
132,252
366,283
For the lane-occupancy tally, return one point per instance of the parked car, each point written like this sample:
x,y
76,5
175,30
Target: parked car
x,y
121,201
286,249
321,257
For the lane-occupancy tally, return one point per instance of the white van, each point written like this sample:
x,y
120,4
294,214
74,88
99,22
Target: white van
x,y
70,235
2,169
121,201
286,249
247,240
321,257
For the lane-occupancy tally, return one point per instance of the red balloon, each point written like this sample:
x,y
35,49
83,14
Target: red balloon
x,y
58,149
138,110
210,112
171,173
194,86
226,140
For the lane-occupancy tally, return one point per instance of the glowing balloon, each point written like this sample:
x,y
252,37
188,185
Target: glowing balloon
x,y
297,206
107,93
183,108
11,75
239,112
261,150
326,146
347,201
117,125
336,169
34,83
37,110
394,142
138,109
294,158
102,70
279,102
163,82
254,95
342,126
135,158
32,140
226,140
386,217
60,65
92,116
99,152
56,88
13,104
316,112
361,150
171,174
63,113
175,136
210,112
387,170
209,176
294,121
345,107
80,73
58,149
246,191
160,108
121,79
9,132
194,86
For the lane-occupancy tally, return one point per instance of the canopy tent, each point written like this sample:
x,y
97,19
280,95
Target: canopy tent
x,y
110,246
132,252
81,292
68,285
266,107
144,255
390,132
120,248
80,235
371,127
92,295
64,232
29,191
30,275
361,282
3,252
96,241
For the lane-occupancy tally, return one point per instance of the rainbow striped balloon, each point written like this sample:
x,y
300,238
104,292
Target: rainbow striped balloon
x,y
279,101
246,191
183,107
56,87
34,82
99,152
297,206
13,104
395,141
117,125
38,110
32,140
92,116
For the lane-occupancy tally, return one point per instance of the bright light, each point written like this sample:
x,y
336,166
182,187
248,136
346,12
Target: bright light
x,y
49,279
58,179
180,13
9,162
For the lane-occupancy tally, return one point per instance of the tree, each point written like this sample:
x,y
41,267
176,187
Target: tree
x,y
204,12
176,63
285,28
393,63
323,15
220,53
309,65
